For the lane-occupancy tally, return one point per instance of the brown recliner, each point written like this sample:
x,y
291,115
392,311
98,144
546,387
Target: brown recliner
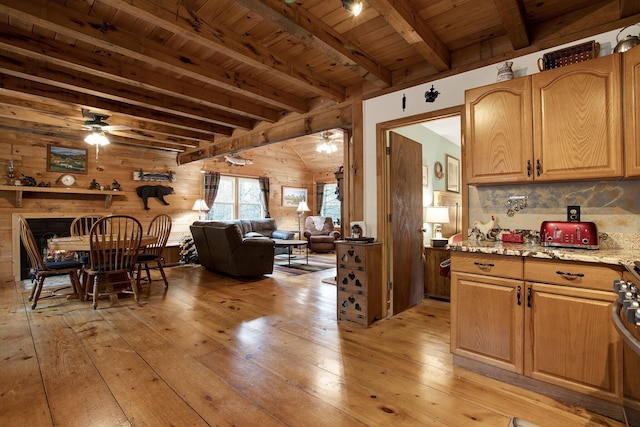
x,y
319,232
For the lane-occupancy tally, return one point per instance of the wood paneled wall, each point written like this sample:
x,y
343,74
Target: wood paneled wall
x,y
116,161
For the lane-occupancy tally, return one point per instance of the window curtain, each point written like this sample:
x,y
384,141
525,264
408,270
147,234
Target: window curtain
x,y
319,197
264,187
211,183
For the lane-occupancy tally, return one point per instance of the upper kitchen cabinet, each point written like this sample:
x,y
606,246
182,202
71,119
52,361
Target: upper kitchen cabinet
x,y
498,130
577,121
632,110
557,125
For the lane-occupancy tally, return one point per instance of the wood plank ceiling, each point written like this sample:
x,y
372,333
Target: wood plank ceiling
x,y
205,78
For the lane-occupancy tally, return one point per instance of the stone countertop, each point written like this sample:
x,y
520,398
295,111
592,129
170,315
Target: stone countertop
x,y
603,256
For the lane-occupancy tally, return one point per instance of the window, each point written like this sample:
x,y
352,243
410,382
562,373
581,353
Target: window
x,y
330,202
238,198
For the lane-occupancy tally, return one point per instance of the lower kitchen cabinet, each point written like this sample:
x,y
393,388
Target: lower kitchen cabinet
x,y
551,324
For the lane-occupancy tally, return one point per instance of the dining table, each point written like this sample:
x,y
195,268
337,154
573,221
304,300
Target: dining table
x,y
83,243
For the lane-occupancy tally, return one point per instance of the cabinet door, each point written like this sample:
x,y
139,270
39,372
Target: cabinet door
x,y
487,320
632,111
570,340
498,132
435,285
577,121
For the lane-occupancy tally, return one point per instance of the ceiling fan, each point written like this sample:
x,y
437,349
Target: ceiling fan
x,y
98,127
328,144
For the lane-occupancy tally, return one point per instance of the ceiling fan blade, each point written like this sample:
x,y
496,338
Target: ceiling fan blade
x,y
110,128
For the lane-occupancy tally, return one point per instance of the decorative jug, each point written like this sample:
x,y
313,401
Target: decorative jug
x,y
505,72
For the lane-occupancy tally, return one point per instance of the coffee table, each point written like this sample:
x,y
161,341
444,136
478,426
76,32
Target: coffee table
x,y
289,244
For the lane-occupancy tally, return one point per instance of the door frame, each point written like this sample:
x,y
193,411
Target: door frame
x,y
382,185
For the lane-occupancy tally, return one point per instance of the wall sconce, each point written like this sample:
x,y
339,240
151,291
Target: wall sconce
x,y
353,6
437,215
201,206
431,95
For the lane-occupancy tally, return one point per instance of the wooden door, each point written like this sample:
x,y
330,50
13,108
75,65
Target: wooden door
x,y
576,324
487,319
498,130
406,246
577,121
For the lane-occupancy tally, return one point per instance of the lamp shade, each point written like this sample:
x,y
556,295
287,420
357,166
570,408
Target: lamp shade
x,y
96,137
437,215
303,207
200,205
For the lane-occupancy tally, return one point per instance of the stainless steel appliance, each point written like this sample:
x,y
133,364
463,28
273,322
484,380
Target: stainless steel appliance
x,y
626,312
569,234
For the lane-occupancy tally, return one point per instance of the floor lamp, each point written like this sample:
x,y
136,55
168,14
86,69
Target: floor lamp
x,y
302,208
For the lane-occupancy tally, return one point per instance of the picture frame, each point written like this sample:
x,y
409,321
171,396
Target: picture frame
x,y
453,174
292,196
67,159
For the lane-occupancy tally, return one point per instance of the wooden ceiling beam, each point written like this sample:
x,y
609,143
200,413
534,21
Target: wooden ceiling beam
x,y
54,75
178,19
337,116
317,35
16,86
62,136
94,31
513,18
629,7
406,21
28,44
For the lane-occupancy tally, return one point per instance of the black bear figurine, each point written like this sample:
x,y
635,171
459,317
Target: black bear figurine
x,y
158,191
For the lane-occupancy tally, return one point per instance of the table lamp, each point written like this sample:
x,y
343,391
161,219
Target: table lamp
x,y
437,215
201,206
302,208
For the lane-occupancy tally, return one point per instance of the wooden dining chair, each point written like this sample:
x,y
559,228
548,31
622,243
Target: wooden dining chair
x,y
160,227
42,270
82,224
114,245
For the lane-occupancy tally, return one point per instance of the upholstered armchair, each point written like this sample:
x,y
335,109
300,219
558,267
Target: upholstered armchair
x,y
319,232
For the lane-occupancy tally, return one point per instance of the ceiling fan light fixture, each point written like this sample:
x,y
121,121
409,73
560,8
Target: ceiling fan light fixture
x,y
96,137
353,6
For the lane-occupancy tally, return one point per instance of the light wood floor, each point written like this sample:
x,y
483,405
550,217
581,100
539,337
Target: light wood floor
x,y
220,352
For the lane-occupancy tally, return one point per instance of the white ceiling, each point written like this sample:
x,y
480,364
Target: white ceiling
x,y
448,128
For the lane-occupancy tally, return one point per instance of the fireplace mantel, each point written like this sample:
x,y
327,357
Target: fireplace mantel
x,y
108,194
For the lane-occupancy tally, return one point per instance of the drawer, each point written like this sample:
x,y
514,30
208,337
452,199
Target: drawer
x,y
352,306
352,280
487,264
571,273
352,256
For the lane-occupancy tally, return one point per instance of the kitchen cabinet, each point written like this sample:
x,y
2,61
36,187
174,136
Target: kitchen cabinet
x,y
557,125
549,321
631,61
435,285
359,281
486,309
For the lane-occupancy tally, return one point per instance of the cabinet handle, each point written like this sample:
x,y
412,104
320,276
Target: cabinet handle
x,y
529,297
569,275
519,291
528,167
484,264
538,167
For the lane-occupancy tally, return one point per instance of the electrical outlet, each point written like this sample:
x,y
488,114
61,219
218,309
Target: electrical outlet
x,y
573,213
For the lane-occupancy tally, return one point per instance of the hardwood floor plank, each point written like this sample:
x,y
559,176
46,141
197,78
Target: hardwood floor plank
x,y
213,350
22,394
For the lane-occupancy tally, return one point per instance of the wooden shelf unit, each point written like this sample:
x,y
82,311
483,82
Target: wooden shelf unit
x,y
19,190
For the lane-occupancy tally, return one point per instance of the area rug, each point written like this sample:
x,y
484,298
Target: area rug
x,y
299,265
49,282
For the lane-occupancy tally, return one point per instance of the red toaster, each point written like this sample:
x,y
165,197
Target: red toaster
x,y
569,234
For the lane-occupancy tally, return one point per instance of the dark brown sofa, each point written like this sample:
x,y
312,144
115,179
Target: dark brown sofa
x,y
223,248
265,227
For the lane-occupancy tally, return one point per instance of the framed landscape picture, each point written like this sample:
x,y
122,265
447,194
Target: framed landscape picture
x,y
453,174
65,159
292,196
